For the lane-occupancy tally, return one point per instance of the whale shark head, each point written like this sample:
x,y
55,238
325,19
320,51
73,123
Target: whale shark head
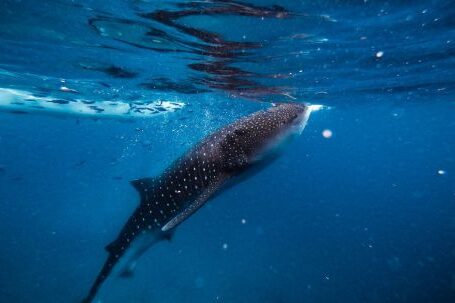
x,y
292,117
255,137
284,122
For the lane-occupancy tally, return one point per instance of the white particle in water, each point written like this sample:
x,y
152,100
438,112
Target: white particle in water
x,y
379,54
243,221
225,246
441,172
327,133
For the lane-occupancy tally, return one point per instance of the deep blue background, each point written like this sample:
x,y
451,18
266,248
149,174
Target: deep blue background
x,y
363,216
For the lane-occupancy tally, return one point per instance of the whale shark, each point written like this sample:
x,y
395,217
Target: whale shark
x,y
213,164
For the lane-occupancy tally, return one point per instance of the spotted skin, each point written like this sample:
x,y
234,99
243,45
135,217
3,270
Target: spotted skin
x,y
192,179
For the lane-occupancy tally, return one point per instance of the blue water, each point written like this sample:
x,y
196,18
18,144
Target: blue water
x,y
359,208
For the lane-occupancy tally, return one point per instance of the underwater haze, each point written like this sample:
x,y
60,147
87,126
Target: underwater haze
x,y
359,208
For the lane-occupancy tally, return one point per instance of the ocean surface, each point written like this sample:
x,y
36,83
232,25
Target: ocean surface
x,y
359,208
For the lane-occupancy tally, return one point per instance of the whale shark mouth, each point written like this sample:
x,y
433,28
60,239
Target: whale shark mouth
x,y
298,129
22,102
316,107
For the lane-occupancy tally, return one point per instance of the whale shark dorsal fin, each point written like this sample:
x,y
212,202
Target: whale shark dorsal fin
x,y
143,185
110,247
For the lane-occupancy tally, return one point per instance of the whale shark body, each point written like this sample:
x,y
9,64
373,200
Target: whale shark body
x,y
193,179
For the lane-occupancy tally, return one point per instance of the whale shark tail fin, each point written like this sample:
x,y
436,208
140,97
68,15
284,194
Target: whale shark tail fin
x,y
102,276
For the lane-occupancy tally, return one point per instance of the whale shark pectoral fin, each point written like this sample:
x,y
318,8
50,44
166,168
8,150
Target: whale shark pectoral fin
x,y
128,271
195,205
137,249
126,274
168,235
143,186
127,264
